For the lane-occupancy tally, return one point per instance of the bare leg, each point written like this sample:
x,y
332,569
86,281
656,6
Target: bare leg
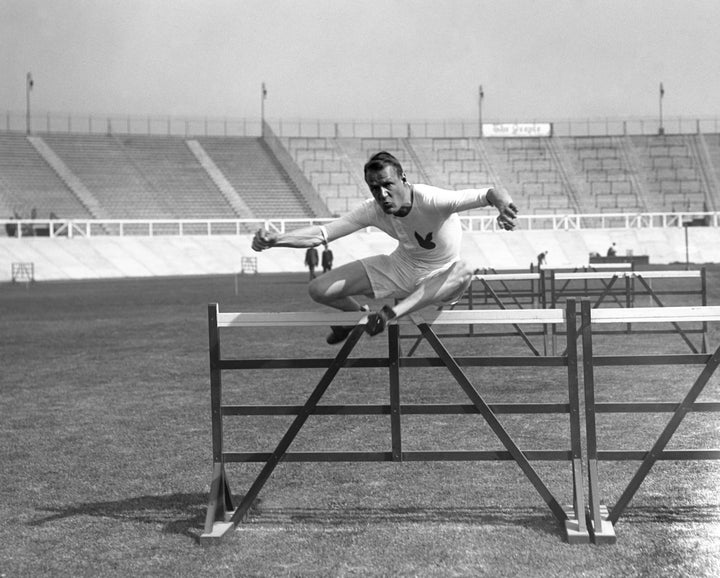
x,y
449,285
337,287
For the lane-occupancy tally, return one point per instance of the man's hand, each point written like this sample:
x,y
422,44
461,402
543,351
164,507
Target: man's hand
x,y
507,211
263,239
377,321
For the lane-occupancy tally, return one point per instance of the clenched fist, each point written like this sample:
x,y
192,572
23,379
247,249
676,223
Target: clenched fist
x,y
507,211
262,240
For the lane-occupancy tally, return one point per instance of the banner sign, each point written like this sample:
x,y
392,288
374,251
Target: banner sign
x,y
518,129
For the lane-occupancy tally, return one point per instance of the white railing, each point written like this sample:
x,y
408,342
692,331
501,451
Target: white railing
x,y
209,227
73,123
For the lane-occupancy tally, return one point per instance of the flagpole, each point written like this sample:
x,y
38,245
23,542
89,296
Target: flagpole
x,y
661,130
263,94
481,95
28,88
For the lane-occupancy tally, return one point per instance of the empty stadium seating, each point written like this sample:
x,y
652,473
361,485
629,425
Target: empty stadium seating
x,y
257,177
27,183
156,177
673,172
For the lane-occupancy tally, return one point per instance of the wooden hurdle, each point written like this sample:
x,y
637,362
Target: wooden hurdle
x,y
602,521
223,516
623,288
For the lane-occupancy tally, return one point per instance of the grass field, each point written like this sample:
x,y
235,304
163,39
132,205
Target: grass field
x,y
106,452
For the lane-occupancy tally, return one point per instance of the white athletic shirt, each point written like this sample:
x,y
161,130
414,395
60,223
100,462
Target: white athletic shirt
x,y
429,235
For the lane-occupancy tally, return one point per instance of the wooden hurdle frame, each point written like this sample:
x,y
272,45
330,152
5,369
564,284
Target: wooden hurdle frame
x,y
602,521
623,288
222,516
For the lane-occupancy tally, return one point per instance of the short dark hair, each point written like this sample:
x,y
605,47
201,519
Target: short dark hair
x,y
381,160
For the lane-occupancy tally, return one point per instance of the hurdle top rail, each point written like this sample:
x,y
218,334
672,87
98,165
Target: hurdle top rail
x,y
440,317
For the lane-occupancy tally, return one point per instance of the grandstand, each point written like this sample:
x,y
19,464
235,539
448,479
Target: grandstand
x,y
117,181
170,177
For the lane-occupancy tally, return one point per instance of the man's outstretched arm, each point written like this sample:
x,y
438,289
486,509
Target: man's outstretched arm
x,y
303,238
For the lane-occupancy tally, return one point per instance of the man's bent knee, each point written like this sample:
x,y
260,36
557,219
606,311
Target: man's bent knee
x,y
317,289
458,281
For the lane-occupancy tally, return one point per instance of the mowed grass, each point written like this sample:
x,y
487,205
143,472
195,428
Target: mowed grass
x,y
106,450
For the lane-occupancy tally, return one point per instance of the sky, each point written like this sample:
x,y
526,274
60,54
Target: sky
x,y
537,60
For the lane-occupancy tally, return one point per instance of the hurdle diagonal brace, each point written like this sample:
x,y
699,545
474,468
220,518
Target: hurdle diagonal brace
x,y
601,521
220,516
575,527
517,328
297,424
658,302
485,279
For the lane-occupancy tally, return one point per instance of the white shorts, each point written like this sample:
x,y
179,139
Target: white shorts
x,y
390,277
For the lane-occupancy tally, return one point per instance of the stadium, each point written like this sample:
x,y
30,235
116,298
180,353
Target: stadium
x,y
155,197
170,406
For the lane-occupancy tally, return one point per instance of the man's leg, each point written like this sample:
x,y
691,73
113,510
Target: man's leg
x,y
338,286
444,287
336,289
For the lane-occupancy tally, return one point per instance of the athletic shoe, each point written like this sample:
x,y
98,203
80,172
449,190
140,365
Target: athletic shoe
x,y
339,333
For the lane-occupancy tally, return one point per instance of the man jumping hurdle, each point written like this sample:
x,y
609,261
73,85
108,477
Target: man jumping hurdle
x,y
425,268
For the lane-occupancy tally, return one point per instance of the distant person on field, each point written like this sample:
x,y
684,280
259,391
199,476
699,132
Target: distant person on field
x,y
425,268
327,259
311,261
541,259
612,251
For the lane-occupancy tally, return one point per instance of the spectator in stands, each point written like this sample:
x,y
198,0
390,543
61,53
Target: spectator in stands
x,y
311,261
327,258
612,251
425,268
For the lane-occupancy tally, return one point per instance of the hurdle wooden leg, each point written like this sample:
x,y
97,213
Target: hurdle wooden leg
x,y
217,520
576,529
601,529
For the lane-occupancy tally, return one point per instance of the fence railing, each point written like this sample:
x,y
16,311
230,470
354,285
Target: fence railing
x,y
54,122
209,227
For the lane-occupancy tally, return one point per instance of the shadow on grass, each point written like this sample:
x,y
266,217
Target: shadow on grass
x,y
696,514
182,514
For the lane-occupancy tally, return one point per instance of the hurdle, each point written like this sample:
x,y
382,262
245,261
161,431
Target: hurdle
x,y
601,520
23,272
501,290
223,517
623,288
248,265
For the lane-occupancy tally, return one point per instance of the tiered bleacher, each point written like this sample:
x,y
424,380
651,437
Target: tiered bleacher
x,y
27,182
173,177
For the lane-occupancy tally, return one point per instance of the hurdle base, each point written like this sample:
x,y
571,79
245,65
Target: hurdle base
x,y
602,530
220,529
576,531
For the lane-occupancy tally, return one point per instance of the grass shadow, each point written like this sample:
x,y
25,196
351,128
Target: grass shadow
x,y
181,514
184,515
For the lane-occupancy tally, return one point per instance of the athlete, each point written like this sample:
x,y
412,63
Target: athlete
x,y
425,268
